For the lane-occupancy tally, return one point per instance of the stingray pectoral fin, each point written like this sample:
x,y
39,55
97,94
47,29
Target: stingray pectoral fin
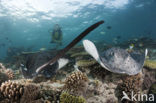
x,y
62,62
91,49
146,52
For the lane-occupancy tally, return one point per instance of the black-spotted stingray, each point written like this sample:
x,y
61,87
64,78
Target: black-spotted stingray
x,y
117,60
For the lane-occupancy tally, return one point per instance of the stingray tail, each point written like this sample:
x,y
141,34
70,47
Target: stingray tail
x,y
69,46
92,50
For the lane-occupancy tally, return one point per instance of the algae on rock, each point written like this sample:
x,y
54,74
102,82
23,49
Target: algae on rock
x,y
150,64
67,98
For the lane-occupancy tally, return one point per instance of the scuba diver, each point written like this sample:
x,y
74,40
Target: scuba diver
x,y
56,35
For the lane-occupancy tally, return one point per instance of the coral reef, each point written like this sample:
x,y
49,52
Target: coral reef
x,y
76,83
150,64
3,77
67,98
148,78
98,72
111,100
1,96
93,84
39,78
6,101
6,71
92,68
31,94
153,89
51,92
129,84
10,73
12,91
2,66
99,92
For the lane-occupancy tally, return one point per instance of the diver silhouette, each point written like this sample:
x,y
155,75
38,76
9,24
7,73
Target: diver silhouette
x,y
56,35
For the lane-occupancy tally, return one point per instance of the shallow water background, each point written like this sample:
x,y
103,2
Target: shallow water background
x,y
25,23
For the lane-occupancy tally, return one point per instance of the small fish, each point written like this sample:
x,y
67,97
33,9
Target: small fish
x,y
23,67
42,49
131,46
102,33
109,27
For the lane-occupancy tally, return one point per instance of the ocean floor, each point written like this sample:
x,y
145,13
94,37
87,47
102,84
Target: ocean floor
x,y
87,82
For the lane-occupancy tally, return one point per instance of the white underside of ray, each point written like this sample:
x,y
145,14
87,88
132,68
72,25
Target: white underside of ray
x,y
92,50
146,52
62,62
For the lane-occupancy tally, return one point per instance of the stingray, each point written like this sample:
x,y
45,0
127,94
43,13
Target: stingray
x,y
116,59
34,60
47,64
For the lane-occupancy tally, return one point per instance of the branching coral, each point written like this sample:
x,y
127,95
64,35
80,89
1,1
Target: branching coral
x,y
39,78
67,98
6,71
111,100
12,91
153,89
5,101
148,79
31,93
97,71
1,96
3,77
2,66
130,83
9,73
76,83
50,93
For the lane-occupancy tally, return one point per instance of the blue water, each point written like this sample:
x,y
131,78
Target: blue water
x,y
25,23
